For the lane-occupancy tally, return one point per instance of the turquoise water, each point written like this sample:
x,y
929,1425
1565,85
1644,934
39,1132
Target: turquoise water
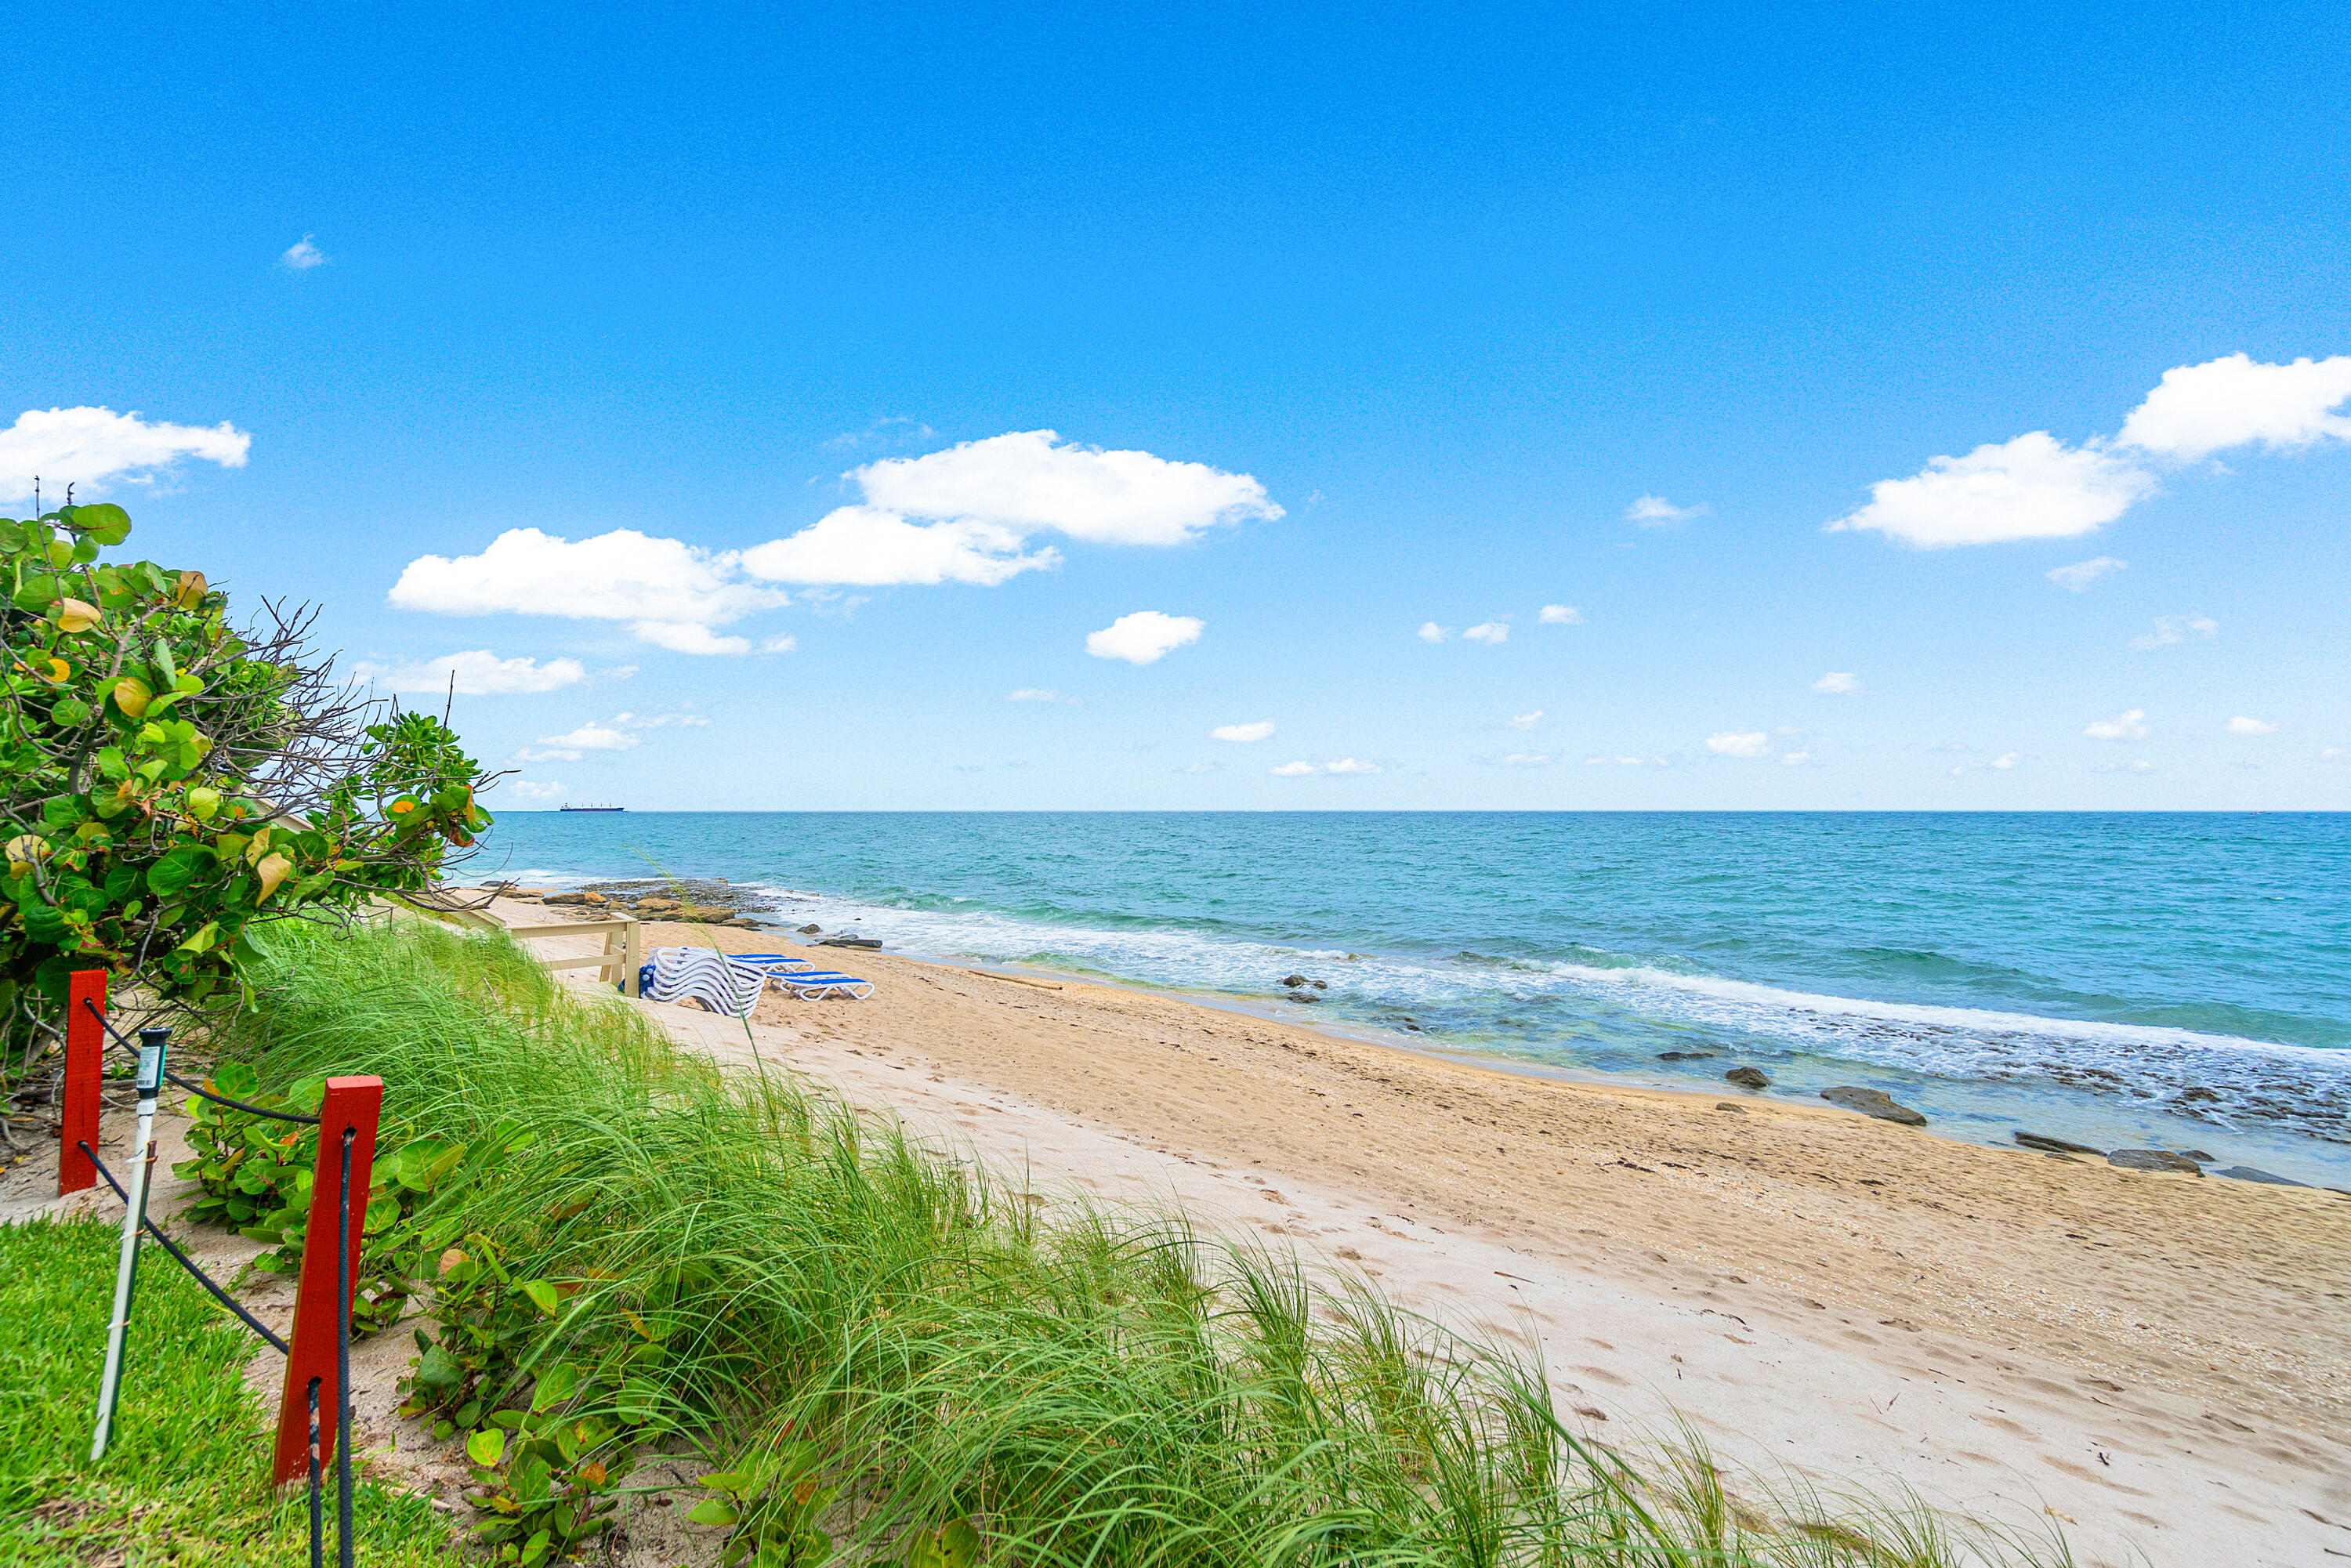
x,y
2183,980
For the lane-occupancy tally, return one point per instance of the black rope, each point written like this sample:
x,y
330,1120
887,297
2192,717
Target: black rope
x,y
343,1544
318,1523
222,1297
198,1090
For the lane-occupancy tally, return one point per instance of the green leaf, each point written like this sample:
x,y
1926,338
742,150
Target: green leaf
x,y
732,1482
714,1511
169,877
436,1368
542,1295
104,522
487,1446
961,1543
558,1383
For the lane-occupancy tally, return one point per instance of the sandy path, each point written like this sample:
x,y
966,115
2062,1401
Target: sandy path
x,y
2163,1362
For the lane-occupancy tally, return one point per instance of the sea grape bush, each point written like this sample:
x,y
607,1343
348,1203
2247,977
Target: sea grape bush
x,y
167,783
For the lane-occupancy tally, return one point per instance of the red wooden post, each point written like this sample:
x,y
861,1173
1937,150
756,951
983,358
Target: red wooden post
x,y
85,1067
355,1103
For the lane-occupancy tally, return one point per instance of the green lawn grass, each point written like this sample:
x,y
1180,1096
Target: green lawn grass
x,y
185,1480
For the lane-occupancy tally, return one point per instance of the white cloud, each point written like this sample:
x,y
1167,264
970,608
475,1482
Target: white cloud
x,y
2141,766
1490,632
1626,762
1748,742
1040,694
1797,759
1527,720
478,673
302,255
656,584
2083,573
1030,480
2131,726
2007,760
687,637
2334,754
1295,769
2241,725
1257,731
2200,409
87,446
525,790
2170,629
2034,487
1526,759
868,546
538,754
1200,768
593,737
1838,683
1144,637
1349,765
1430,632
1656,512
1561,615
1344,764
891,429
660,721
787,644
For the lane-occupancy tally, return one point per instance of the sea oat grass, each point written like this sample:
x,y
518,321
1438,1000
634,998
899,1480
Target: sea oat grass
x,y
1104,1388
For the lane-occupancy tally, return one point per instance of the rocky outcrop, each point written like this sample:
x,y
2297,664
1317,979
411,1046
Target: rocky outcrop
x,y
1749,1077
1293,981
1873,1103
2247,1173
2049,1146
2154,1160
1685,1055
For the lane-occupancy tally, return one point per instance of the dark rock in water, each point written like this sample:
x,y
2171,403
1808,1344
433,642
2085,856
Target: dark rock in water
x,y
1684,1055
2049,1146
848,942
2154,1160
1749,1077
1304,996
810,930
1873,1103
2199,1155
1413,1027
1293,981
2247,1173
1322,984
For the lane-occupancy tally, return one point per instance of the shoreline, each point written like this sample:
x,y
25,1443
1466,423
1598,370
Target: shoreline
x,y
2132,1086
2162,1361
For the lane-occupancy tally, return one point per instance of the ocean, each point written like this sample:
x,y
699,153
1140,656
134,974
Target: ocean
x,y
2126,979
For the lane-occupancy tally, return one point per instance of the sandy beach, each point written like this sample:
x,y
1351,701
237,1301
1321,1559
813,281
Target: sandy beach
x,y
2162,1363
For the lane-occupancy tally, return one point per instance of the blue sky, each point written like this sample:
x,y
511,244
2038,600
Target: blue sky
x,y
1403,314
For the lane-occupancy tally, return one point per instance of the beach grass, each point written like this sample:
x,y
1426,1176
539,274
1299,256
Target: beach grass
x,y
185,1480
880,1343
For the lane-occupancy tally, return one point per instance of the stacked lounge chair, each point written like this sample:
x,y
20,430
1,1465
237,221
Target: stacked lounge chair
x,y
731,982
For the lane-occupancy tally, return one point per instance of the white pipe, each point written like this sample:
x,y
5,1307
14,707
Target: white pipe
x,y
134,1214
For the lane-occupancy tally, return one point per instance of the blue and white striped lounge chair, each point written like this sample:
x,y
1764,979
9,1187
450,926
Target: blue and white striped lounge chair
x,y
801,977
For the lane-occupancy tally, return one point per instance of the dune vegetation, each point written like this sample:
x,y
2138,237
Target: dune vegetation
x,y
618,1248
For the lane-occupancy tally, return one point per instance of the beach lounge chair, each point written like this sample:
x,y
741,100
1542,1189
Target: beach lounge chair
x,y
810,985
801,977
679,974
